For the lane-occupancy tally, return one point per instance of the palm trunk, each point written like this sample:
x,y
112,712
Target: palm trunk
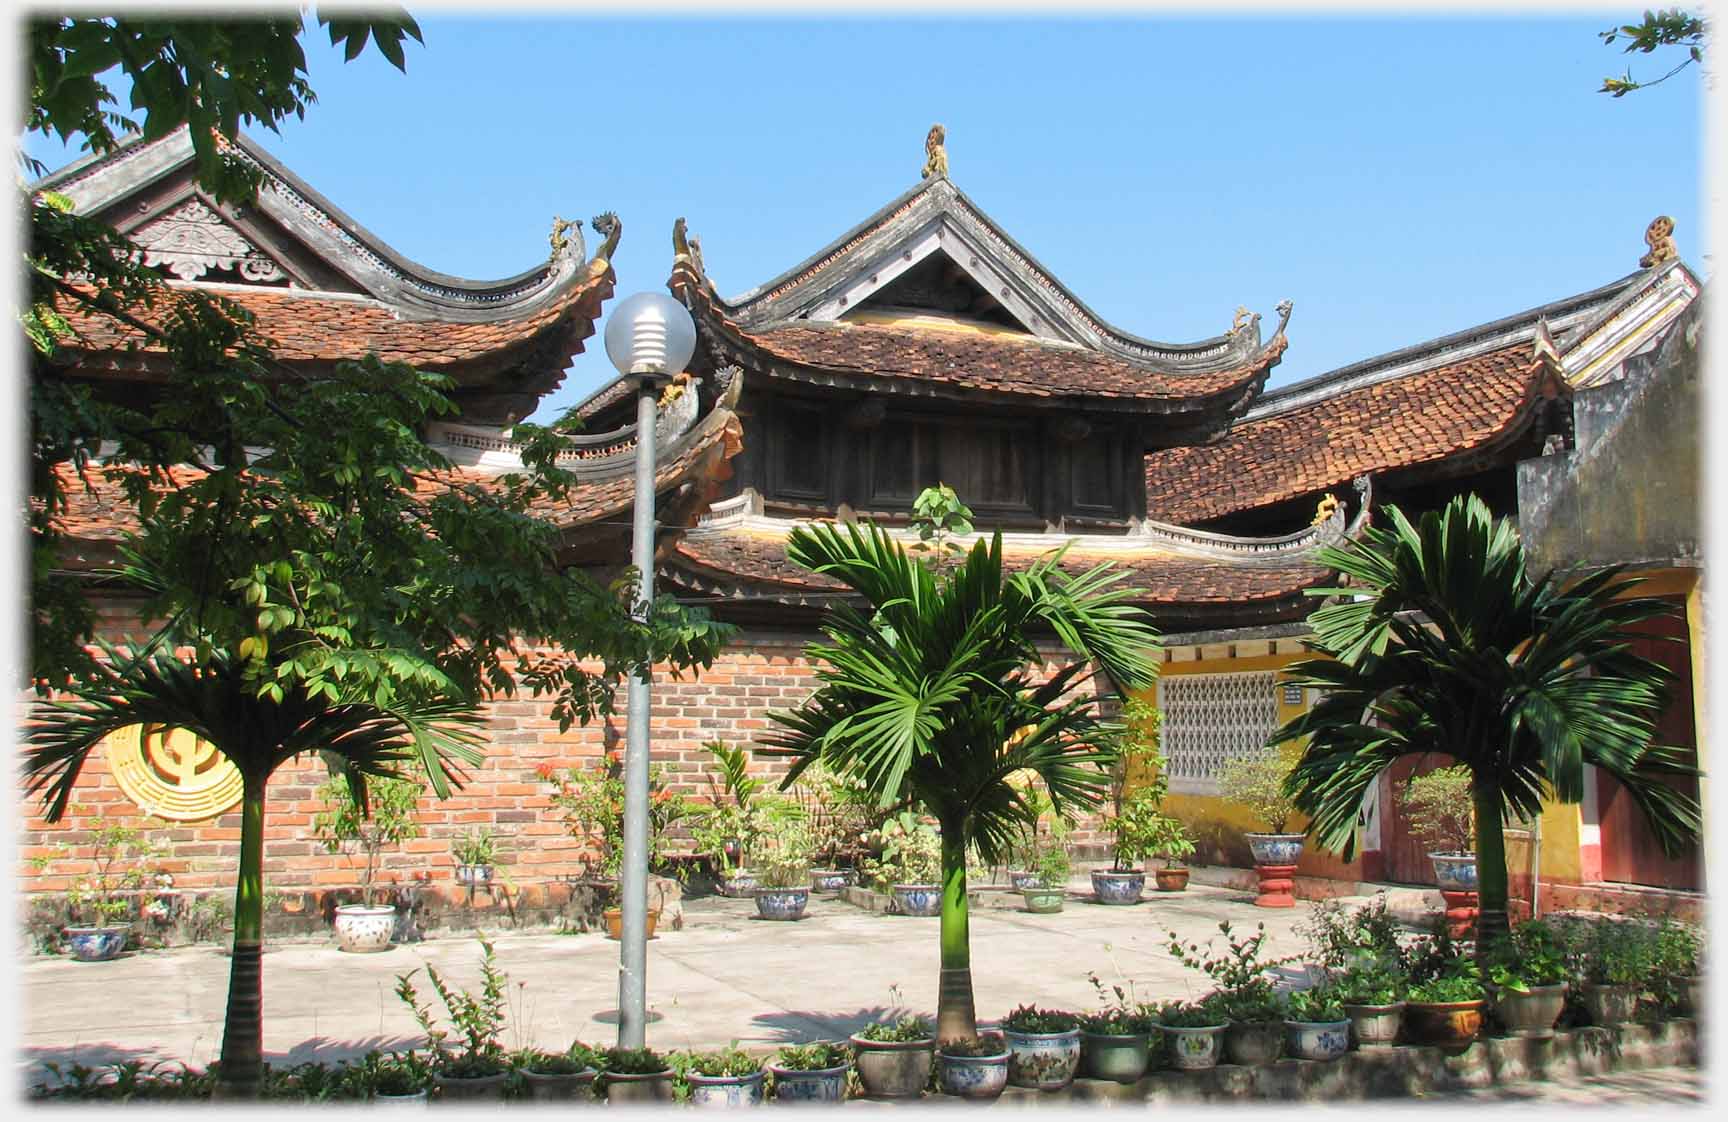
x,y
1492,884
243,1029
956,1014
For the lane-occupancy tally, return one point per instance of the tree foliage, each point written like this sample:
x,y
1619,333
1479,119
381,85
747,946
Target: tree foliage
x,y
1671,28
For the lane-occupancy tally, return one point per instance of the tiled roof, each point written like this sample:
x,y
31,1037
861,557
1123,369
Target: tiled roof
x,y
1007,364
314,327
1416,419
755,561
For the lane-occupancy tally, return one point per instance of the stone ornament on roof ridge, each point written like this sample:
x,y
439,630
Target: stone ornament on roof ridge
x,y
935,153
1659,236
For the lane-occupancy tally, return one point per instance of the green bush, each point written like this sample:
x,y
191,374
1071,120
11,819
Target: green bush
x,y
904,1030
1030,1019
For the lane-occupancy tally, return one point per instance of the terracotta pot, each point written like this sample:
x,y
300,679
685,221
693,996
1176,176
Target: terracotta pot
x,y
1375,1026
1173,879
1253,1043
365,928
654,1087
893,1069
1530,1013
615,922
1448,1024
979,1078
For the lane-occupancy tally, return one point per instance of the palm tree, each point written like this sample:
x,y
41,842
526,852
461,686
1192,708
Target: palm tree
x,y
1443,644
217,698
930,699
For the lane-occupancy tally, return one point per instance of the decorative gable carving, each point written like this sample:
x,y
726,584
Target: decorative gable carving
x,y
191,241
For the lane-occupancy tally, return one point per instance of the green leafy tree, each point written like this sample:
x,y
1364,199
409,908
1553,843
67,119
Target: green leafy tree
x,y
1443,644
928,696
1671,28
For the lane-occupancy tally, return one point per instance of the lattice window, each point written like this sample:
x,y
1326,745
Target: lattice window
x,y
1210,718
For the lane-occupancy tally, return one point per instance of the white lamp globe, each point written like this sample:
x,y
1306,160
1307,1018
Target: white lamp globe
x,y
650,333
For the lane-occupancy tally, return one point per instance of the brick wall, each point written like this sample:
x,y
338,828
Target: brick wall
x,y
760,671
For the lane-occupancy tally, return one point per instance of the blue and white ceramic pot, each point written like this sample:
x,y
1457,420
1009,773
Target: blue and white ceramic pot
x,y
918,899
1275,849
823,1085
1046,1061
95,944
782,903
474,875
726,1090
1192,1049
1021,881
829,880
739,883
1318,1040
1117,888
972,1077
1455,872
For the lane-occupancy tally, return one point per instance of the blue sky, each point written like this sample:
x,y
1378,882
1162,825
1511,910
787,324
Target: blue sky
x,y
1397,178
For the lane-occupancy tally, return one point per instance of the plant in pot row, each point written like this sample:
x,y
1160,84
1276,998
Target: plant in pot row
x,y
475,852
1244,995
591,803
724,1077
1047,890
730,826
1044,1047
973,1067
346,827
470,1062
783,868
810,1073
894,1057
122,857
1116,1041
910,865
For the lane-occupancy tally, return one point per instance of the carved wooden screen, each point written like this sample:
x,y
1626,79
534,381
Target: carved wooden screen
x,y
1211,718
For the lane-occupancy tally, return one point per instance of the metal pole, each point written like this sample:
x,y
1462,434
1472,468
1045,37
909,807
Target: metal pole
x,y
633,953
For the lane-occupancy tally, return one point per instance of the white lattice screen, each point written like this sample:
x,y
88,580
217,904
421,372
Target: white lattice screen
x,y
1210,718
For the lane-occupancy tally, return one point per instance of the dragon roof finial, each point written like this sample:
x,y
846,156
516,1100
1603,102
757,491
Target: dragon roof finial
x,y
1659,236
606,224
935,154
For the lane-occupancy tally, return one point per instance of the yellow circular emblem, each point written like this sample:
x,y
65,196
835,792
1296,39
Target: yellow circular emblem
x,y
171,773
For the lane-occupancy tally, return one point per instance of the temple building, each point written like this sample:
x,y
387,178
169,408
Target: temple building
x,y
925,345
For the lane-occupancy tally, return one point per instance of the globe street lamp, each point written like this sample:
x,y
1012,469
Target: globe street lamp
x,y
649,338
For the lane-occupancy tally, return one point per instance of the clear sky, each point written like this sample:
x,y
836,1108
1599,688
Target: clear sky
x,y
1398,178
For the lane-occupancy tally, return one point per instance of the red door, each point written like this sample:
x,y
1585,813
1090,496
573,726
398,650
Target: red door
x,y
1630,854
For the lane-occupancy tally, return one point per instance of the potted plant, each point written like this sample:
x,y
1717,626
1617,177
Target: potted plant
x,y
403,1078
810,1073
1116,1041
1442,815
342,827
783,869
1677,979
910,865
1619,960
732,824
471,1063
1050,879
1373,997
1193,1032
1171,844
1446,993
973,1067
1255,782
1527,980
724,1077
1342,938
558,1076
1244,995
1134,809
635,1075
843,815
592,804
475,852
101,900
1044,1045
1318,1027
894,1058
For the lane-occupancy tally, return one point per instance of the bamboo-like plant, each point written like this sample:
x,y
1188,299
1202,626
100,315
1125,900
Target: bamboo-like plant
x,y
1442,643
929,696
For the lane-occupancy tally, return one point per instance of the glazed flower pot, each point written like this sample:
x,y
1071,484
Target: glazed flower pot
x,y
549,1087
1121,1057
1021,881
1253,1043
740,884
1610,1005
652,1087
828,881
413,1099
474,876
615,922
918,899
1173,879
470,1088
1275,849
893,1069
1117,888
1532,1012
1320,1041
1454,872
1193,1049
365,928
1375,1026
1045,1061
726,1090
95,944
823,1085
980,1078
782,903
1043,901
1448,1024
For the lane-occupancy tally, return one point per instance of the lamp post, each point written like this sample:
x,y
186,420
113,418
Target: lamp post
x,y
649,338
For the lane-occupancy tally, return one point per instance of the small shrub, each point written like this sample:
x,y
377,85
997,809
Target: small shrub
x,y
1315,1005
820,1056
1030,1019
1440,809
1255,783
985,1044
898,1032
632,1061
